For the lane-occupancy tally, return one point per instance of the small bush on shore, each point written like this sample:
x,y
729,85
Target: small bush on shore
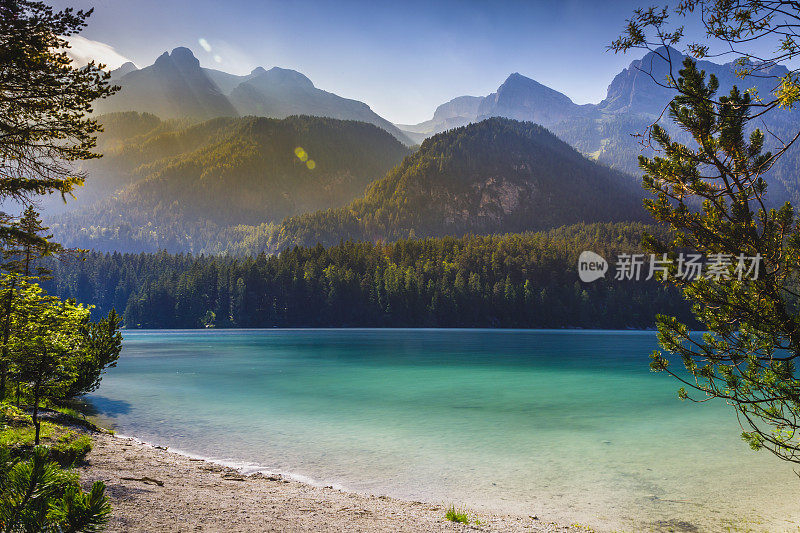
x,y
38,494
70,448
456,515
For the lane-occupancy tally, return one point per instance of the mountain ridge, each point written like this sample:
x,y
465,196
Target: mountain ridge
x,y
188,187
495,176
176,86
606,131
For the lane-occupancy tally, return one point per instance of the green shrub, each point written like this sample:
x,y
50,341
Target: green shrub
x,y
37,495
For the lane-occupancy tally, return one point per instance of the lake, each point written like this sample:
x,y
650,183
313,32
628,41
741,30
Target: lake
x,y
567,425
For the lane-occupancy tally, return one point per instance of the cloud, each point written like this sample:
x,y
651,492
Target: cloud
x,y
83,50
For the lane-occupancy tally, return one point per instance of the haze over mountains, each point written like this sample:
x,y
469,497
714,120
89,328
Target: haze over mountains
x,y
173,87
206,187
176,86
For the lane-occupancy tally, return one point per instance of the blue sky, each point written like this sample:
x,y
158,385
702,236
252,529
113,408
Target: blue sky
x,y
401,58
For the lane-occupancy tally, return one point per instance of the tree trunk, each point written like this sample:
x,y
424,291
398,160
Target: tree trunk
x,y
3,373
35,414
6,336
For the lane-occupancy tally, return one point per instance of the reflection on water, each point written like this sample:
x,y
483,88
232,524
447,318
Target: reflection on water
x,y
568,425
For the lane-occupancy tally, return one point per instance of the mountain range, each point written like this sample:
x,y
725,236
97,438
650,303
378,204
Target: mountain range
x,y
184,171
607,131
176,86
633,91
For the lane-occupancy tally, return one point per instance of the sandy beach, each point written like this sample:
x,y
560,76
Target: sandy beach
x,y
156,490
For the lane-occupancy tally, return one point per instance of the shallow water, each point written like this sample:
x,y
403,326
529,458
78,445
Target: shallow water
x,y
567,425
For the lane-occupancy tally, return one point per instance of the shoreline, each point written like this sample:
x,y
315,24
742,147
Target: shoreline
x,y
154,488
570,329
249,469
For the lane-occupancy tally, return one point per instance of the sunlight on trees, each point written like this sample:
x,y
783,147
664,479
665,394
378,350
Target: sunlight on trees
x,y
712,197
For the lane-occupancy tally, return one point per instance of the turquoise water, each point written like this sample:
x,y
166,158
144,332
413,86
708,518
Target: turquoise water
x,y
568,425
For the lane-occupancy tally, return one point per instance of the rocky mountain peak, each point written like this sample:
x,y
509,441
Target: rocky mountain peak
x,y
181,57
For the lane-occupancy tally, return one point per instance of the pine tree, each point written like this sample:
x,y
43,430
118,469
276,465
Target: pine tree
x,y
39,496
27,241
45,101
748,358
47,335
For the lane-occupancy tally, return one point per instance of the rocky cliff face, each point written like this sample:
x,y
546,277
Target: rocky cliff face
x,y
461,107
634,90
641,88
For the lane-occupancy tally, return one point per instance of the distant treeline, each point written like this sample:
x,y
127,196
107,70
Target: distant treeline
x,y
516,281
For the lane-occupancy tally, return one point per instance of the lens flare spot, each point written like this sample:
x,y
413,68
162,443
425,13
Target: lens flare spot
x,y
311,164
218,58
204,44
301,154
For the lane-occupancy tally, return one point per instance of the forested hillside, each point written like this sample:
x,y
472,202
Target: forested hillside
x,y
181,187
496,176
518,280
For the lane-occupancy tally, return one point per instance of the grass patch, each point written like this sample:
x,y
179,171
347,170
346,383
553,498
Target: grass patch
x,y
69,411
67,447
456,515
70,448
